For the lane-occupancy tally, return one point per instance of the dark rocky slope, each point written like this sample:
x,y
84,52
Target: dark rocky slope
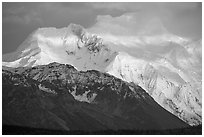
x,y
57,96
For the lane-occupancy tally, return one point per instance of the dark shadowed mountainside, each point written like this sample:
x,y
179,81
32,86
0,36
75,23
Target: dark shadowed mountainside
x,y
58,97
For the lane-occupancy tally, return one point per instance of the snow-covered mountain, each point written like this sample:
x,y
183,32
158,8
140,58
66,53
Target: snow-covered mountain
x,y
173,79
71,45
169,86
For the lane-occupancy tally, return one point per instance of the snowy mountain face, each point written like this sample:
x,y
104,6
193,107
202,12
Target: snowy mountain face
x,y
71,45
173,79
165,83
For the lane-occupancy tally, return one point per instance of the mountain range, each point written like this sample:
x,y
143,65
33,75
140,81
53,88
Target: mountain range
x,y
57,96
112,88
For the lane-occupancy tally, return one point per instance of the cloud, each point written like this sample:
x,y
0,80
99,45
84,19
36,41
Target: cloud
x,y
151,31
60,15
183,19
154,7
47,14
108,6
129,24
124,19
20,19
24,19
20,14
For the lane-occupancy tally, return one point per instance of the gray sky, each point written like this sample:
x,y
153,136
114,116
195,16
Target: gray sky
x,y
20,19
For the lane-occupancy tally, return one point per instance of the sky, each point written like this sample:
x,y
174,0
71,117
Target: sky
x,y
123,19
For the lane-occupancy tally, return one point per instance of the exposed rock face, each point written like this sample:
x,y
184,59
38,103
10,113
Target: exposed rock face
x,y
57,96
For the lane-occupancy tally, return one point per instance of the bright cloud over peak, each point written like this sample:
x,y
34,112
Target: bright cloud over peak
x,y
119,18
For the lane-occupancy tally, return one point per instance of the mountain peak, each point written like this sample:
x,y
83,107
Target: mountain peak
x,y
46,94
70,45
